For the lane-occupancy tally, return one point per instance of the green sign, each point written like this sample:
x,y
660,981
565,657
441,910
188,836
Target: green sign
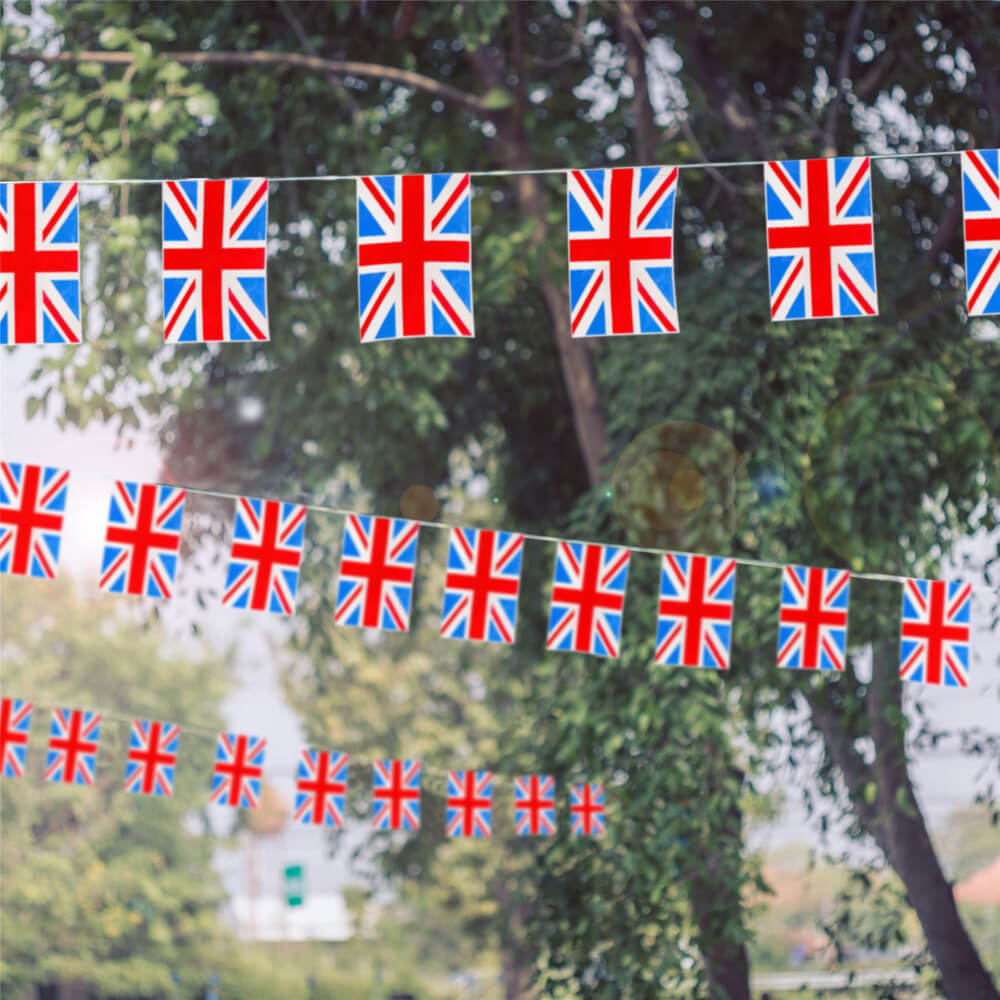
x,y
295,885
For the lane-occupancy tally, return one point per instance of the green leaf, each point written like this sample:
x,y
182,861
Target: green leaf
x,y
497,99
90,69
114,38
870,792
165,154
203,105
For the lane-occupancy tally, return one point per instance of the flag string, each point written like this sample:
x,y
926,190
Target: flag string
x,y
552,539
536,171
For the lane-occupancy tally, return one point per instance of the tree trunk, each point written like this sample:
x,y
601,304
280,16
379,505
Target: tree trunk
x,y
894,821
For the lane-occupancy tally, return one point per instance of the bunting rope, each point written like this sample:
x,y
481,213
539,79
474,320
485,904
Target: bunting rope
x,y
552,539
534,171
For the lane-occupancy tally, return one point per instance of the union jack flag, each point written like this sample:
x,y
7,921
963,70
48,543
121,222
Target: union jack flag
x,y
73,741
32,501
535,805
396,795
812,620
469,804
39,264
981,202
481,586
151,757
935,632
621,253
239,766
15,725
375,589
586,807
142,541
694,626
588,597
820,242
264,561
414,256
320,787
215,260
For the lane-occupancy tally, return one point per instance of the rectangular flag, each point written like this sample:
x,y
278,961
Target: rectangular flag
x,y
481,585
32,503
981,204
215,260
238,769
375,589
40,263
142,540
73,741
263,572
320,788
586,808
15,726
935,632
820,238
469,804
812,620
621,252
396,795
535,805
588,598
151,757
694,624
414,256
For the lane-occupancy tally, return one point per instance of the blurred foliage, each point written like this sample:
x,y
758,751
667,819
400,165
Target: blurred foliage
x,y
870,443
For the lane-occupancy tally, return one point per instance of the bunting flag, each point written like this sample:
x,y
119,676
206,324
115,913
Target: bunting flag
x,y
320,788
820,238
621,255
588,598
396,795
32,503
264,561
151,758
239,766
40,264
15,726
812,621
414,256
694,625
142,540
73,741
481,585
586,809
469,804
535,805
981,204
935,632
375,589
215,261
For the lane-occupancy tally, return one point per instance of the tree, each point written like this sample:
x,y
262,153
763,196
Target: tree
x,y
103,886
814,407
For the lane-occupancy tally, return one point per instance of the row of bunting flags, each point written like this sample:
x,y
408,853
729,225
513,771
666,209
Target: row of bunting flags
x,y
320,778
414,252
378,565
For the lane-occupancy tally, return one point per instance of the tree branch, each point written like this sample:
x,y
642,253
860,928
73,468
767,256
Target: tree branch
x,y
843,67
288,60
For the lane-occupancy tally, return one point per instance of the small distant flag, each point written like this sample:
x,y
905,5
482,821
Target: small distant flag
x,y
73,742
469,804
32,503
238,769
151,757
586,808
396,795
981,203
320,788
535,805
15,726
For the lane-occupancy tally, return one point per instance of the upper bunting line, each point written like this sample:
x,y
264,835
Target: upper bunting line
x,y
554,540
304,178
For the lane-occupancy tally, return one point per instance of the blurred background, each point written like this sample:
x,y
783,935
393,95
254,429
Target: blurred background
x,y
769,834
